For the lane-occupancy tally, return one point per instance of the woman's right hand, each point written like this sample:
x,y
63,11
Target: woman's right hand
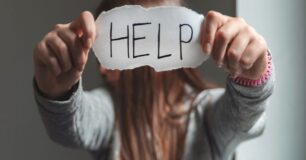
x,y
60,57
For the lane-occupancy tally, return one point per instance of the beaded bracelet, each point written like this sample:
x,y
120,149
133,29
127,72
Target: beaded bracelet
x,y
263,79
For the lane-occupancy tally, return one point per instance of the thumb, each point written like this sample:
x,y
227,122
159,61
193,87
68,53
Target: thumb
x,y
84,26
213,21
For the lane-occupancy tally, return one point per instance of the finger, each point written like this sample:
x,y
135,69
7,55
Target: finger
x,y
75,47
85,27
80,56
253,51
46,57
68,36
60,49
236,50
225,66
71,77
213,21
224,37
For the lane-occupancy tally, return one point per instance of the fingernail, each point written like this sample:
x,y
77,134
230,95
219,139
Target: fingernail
x,y
235,75
89,42
220,65
207,48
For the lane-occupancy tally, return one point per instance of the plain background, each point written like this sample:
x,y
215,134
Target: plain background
x,y
24,23
283,24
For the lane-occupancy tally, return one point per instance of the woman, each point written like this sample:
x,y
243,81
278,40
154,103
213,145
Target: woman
x,y
142,114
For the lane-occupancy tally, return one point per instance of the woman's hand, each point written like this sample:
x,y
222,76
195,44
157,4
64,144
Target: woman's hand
x,y
234,45
60,57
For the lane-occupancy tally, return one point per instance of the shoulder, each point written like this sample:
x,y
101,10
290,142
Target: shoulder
x,y
100,91
209,95
206,99
100,95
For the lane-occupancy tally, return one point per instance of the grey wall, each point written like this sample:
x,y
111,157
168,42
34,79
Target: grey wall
x,y
22,25
283,23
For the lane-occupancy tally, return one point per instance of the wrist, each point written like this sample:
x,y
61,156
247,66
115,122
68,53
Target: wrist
x,y
263,78
55,95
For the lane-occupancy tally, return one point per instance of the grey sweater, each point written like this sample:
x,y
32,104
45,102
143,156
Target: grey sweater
x,y
220,121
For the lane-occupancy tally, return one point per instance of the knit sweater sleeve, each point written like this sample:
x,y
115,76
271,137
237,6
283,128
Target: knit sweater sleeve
x,y
237,115
84,120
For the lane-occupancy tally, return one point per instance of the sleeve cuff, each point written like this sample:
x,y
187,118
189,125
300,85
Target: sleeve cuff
x,y
262,80
254,91
63,105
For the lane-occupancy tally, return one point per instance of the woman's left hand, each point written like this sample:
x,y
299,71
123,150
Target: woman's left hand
x,y
234,45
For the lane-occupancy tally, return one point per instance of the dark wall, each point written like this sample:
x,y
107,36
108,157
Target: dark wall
x,y
22,25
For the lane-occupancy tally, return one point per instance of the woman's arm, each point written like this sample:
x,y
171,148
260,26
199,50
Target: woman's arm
x,y
84,120
72,117
237,115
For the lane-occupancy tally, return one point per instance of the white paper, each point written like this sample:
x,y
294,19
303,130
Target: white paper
x,y
164,38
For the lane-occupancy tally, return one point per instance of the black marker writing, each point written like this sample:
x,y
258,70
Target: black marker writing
x,y
181,41
117,39
138,38
158,45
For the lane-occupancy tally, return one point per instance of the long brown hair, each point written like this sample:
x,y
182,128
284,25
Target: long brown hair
x,y
149,106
